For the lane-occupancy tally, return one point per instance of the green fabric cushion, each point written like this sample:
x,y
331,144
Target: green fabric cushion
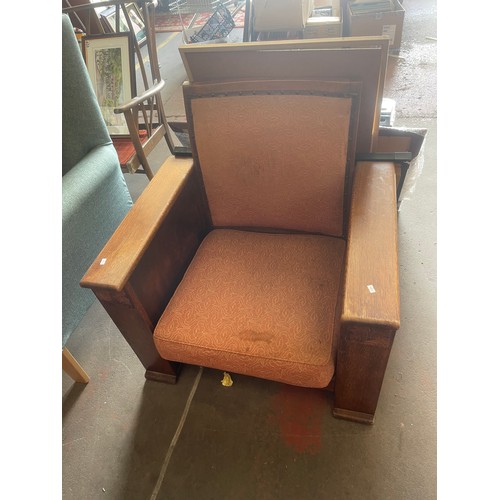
x,y
83,126
95,199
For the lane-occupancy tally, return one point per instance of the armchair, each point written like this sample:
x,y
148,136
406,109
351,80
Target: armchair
x,y
270,253
95,197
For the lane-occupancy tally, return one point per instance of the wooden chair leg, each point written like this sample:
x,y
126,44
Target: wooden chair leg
x,y
72,368
362,358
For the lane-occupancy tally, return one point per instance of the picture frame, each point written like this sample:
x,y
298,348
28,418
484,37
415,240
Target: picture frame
x,y
110,63
108,17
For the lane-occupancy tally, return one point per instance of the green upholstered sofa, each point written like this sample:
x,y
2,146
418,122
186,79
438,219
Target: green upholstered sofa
x,y
95,197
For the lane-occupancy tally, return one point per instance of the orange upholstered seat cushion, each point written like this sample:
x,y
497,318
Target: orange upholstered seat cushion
x,y
258,304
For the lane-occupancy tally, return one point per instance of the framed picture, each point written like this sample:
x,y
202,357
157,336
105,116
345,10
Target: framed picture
x,y
108,17
110,61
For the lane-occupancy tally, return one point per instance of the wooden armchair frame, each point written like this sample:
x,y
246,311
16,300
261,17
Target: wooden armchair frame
x,y
145,112
141,266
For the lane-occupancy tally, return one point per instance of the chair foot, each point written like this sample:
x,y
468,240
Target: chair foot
x,y
166,378
72,368
164,371
353,416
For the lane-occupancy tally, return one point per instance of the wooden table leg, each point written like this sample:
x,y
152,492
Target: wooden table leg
x,y
73,368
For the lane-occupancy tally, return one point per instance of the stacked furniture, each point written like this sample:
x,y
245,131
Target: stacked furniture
x,y
144,113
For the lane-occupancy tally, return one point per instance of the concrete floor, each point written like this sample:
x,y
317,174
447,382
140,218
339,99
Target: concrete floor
x,y
259,439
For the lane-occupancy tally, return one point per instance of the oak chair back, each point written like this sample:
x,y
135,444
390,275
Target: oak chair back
x,y
258,170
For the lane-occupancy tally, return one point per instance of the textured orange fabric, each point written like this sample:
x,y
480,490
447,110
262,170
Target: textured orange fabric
x,y
258,304
274,161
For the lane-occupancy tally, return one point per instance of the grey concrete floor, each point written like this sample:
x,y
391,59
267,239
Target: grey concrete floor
x,y
259,439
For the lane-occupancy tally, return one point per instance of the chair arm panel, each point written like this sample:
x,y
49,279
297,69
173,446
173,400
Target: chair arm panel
x,y
371,294
147,256
370,314
118,259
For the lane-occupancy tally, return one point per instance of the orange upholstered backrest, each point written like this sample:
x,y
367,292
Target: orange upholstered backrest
x,y
274,154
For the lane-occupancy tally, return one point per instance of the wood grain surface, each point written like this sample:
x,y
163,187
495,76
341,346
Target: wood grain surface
x,y
130,240
372,282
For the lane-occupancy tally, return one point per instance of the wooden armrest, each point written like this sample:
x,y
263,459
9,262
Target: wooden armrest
x,y
157,87
371,294
118,259
138,270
